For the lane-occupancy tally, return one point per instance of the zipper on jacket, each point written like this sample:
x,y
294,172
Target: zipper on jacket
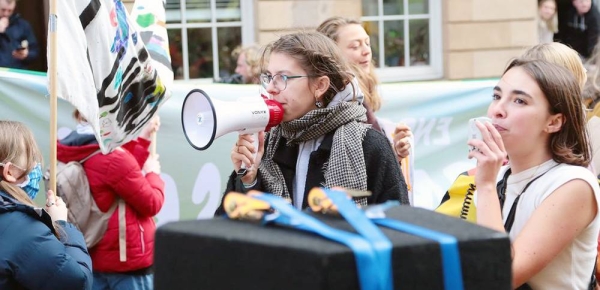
x,y
142,238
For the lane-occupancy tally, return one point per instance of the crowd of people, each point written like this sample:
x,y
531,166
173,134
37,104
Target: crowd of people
x,y
535,178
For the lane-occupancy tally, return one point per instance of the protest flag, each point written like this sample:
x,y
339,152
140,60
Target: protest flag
x,y
104,69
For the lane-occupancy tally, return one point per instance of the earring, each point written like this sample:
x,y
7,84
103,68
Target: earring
x,y
319,104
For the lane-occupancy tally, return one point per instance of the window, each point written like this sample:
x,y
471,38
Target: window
x,y
405,38
203,33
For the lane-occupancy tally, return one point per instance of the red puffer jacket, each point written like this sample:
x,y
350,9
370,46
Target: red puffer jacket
x,y
118,174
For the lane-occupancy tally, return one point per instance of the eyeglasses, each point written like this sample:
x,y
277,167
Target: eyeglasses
x,y
279,80
17,166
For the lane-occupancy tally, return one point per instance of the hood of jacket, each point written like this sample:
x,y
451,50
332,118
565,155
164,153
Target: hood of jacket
x,y
76,147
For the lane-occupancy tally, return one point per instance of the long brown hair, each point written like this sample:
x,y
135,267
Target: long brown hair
x,y
17,146
561,89
317,55
368,81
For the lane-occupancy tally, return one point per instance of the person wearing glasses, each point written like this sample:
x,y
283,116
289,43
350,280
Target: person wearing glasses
x,y
39,249
323,139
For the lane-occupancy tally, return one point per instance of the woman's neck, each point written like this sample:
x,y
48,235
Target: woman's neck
x,y
522,162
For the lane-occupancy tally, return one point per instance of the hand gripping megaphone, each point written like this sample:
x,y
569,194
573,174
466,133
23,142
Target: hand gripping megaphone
x,y
205,119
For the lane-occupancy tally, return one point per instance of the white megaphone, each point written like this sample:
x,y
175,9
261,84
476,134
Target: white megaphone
x,y
205,119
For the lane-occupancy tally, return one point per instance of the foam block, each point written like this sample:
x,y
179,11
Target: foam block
x,y
227,254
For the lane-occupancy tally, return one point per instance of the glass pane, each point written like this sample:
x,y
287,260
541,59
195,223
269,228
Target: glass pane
x,y
373,32
173,12
393,7
229,39
200,53
418,6
228,10
176,53
419,42
197,11
394,43
369,8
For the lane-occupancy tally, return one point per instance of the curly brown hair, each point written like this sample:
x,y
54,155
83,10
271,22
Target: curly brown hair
x,y
318,55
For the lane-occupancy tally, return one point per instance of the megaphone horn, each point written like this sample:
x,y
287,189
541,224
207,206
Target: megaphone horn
x,y
205,119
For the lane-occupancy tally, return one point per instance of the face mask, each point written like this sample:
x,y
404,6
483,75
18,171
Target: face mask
x,y
31,185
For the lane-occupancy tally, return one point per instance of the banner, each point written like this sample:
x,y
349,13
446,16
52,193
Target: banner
x,y
104,69
150,17
438,113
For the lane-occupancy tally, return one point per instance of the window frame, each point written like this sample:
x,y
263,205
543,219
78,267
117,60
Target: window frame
x,y
435,68
246,24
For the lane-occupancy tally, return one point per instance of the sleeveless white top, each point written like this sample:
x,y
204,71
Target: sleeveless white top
x,y
572,268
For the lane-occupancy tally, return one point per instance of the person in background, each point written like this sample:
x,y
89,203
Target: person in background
x,y
561,55
247,70
323,139
355,44
549,153
129,173
39,249
18,45
547,21
579,26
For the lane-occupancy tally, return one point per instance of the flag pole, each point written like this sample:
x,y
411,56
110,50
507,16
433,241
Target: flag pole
x,y
153,144
53,83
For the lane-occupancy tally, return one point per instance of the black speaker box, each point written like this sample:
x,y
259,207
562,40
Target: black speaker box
x,y
228,254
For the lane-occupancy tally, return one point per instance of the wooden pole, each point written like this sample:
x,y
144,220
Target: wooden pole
x,y
53,84
153,144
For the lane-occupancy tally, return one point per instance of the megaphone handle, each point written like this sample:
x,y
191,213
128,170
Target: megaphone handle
x,y
243,169
242,172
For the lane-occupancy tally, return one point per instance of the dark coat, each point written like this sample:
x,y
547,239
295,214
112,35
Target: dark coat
x,y
571,33
384,176
17,31
31,257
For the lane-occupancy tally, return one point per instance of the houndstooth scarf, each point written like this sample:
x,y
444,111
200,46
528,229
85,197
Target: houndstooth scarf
x,y
346,166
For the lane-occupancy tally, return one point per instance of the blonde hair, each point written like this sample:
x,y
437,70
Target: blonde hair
x,y
561,55
16,142
591,91
552,23
367,81
253,54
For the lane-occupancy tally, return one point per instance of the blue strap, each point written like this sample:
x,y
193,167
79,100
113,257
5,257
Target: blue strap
x,y
366,261
359,221
449,245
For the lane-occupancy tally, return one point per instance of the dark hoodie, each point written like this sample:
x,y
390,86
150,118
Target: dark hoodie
x,y
17,31
31,257
580,32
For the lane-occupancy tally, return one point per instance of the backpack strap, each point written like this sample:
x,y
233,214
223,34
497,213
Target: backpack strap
x,y
122,231
90,156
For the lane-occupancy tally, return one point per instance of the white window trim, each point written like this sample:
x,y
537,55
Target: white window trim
x,y
246,24
435,68
248,30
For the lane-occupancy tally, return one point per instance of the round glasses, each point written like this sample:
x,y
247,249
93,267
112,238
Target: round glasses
x,y
279,80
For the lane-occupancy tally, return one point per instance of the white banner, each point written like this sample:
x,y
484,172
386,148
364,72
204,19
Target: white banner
x,y
438,113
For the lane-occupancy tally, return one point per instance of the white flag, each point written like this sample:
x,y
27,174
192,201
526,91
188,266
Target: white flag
x,y
150,16
105,71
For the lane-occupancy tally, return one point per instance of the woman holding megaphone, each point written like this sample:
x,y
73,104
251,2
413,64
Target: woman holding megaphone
x,y
323,139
